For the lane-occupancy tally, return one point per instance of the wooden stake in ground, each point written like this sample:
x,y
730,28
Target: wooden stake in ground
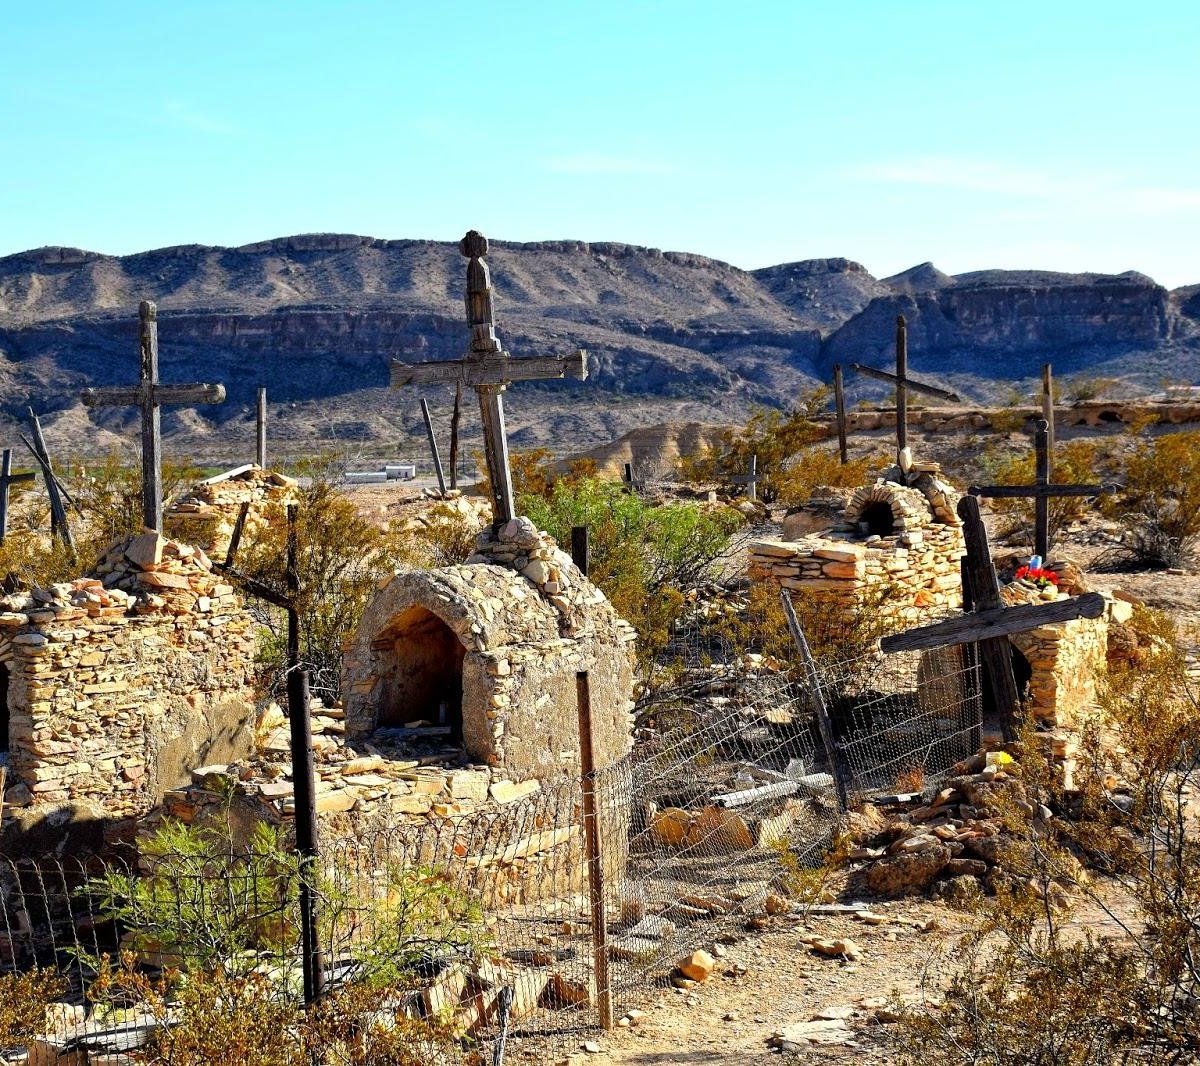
x,y
454,418
991,623
631,486
750,480
489,370
1041,491
839,405
904,384
7,480
1048,413
55,492
150,395
433,448
260,425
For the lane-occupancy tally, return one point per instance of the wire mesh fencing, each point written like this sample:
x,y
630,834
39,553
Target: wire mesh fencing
x,y
727,794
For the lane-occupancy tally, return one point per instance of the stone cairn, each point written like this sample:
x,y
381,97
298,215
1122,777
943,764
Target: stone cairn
x,y
207,513
109,669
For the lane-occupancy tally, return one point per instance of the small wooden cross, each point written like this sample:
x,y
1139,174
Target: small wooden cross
x,y
7,480
904,384
990,623
489,370
750,480
55,491
149,395
1041,491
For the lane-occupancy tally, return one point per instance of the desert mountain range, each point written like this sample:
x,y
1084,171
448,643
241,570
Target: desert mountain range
x,y
670,335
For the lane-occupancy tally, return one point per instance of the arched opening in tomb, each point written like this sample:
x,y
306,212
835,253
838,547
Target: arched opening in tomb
x,y
1022,673
5,742
421,676
877,519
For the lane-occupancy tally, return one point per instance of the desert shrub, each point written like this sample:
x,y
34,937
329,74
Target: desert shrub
x,y
1026,986
23,1001
1159,508
816,467
645,558
340,556
1082,388
774,436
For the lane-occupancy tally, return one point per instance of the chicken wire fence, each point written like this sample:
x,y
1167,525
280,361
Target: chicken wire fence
x,y
728,791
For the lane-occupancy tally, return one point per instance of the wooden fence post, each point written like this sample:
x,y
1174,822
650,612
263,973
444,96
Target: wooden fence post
x,y
839,400
594,851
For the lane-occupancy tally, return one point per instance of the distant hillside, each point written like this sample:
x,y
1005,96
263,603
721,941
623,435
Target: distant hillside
x,y
670,336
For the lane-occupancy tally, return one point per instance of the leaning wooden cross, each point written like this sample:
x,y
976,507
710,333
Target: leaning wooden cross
x,y
1041,491
489,370
55,490
433,446
904,384
990,624
149,395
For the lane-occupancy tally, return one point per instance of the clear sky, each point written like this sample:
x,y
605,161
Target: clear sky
x,y
1058,135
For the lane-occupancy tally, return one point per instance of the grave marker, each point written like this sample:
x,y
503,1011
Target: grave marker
x,y
55,491
260,426
839,402
904,384
1042,491
149,395
750,480
489,370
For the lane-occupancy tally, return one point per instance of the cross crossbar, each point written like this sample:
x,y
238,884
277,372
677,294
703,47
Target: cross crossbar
x,y
910,383
1041,491
997,622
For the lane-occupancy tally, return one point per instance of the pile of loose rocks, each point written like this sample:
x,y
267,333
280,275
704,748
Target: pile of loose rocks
x,y
207,513
958,842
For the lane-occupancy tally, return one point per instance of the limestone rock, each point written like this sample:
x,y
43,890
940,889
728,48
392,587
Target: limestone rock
x,y
908,873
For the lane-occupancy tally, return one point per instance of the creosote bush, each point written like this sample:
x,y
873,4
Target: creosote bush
x,y
1159,508
23,1001
1027,987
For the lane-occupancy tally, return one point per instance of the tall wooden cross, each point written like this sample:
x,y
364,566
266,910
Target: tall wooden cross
x,y
489,370
904,384
1048,411
149,395
7,480
1041,490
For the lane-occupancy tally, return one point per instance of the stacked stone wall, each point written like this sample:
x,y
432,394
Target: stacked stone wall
x,y
120,681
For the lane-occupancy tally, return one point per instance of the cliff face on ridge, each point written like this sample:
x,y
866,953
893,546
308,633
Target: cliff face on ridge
x,y
317,318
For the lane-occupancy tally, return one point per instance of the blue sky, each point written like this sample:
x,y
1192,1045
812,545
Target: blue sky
x,y
1052,135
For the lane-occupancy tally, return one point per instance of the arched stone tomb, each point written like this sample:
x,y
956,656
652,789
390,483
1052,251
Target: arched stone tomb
x,y
490,650
896,546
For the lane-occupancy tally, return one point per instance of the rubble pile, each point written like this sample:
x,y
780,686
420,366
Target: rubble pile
x,y
206,513
954,842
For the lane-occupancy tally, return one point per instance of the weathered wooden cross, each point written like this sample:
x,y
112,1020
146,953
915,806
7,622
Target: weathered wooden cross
x,y
990,623
750,479
904,384
1041,491
489,370
7,480
149,395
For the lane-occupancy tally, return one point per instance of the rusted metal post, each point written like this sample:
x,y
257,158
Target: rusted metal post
x,y
839,401
593,850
